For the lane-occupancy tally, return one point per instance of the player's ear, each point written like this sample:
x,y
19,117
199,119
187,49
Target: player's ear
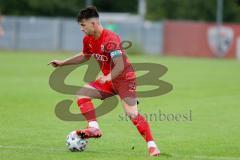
x,y
93,23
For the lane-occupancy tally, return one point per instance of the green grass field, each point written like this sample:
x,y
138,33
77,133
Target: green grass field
x,y
210,88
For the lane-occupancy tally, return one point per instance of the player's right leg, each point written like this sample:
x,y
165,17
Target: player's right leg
x,y
93,90
84,101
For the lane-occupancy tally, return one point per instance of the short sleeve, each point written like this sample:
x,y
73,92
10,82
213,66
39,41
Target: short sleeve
x,y
86,48
112,43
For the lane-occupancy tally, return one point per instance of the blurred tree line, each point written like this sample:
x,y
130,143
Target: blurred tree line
x,y
65,8
200,10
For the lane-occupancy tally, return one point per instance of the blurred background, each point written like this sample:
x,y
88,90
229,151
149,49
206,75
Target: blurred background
x,y
160,27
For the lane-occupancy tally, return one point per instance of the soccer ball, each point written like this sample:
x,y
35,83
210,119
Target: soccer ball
x,y
76,143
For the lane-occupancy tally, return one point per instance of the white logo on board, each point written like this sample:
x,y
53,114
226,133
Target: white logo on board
x,y
220,40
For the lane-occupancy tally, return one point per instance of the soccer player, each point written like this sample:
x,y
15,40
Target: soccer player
x,y
118,77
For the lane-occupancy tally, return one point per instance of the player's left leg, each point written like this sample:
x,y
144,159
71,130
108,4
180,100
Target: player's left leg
x,y
130,107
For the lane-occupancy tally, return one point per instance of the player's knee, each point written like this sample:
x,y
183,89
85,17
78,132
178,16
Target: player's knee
x,y
83,93
88,92
130,101
82,97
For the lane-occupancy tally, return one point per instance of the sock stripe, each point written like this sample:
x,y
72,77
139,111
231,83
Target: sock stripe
x,y
86,107
81,101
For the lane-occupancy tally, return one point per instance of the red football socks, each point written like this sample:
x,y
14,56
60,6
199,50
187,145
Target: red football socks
x,y
87,109
143,127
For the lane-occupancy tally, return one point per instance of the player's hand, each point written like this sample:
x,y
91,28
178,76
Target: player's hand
x,y
56,63
105,79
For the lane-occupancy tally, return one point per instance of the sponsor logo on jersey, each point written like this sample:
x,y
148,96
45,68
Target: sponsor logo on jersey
x,y
100,57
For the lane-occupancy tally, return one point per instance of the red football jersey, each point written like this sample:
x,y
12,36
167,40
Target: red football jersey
x,y
101,49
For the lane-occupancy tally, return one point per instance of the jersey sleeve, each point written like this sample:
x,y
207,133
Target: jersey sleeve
x,y
86,49
113,46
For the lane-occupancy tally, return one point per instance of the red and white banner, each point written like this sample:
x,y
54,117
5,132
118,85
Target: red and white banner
x,y
201,39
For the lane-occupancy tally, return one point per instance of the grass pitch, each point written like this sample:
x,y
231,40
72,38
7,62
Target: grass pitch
x,y
206,91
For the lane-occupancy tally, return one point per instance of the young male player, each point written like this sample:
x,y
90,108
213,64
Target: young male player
x,y
118,77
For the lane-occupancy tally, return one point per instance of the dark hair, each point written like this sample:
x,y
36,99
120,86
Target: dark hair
x,y
86,13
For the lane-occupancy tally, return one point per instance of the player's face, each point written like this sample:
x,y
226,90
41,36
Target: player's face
x,y
87,26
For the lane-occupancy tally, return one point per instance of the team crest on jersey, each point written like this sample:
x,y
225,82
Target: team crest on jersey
x,y
220,40
102,48
90,45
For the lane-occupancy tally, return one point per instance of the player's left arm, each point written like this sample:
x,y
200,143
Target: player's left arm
x,y
117,58
118,61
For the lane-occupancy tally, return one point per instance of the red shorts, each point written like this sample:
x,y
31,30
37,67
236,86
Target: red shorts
x,y
122,87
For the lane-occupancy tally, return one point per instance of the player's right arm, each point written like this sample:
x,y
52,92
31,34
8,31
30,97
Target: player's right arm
x,y
77,59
